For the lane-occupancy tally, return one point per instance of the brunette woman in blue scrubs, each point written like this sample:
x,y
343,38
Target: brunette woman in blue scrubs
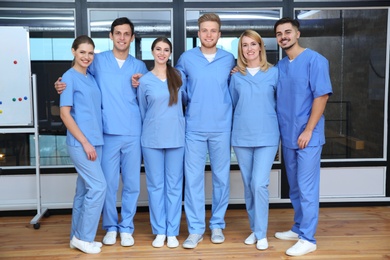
x,y
81,113
255,133
160,101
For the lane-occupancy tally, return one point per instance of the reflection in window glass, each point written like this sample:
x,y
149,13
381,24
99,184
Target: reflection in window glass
x,y
53,150
354,42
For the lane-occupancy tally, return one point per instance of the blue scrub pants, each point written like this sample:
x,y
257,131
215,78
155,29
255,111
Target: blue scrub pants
x,y
218,145
255,166
90,193
121,156
164,179
303,174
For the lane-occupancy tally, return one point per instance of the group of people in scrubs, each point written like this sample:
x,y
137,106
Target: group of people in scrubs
x,y
250,110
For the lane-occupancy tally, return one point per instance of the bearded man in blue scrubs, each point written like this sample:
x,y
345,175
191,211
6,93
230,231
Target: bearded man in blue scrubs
x,y
303,90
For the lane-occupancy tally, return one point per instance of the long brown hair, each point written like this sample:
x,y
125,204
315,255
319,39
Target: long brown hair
x,y
173,75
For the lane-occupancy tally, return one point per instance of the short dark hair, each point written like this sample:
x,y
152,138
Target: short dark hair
x,y
294,23
120,21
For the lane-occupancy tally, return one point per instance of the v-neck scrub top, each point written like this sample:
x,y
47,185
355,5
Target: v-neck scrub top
x,y
163,126
209,107
83,95
300,82
255,121
120,110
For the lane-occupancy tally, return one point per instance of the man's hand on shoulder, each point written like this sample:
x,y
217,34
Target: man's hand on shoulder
x,y
135,79
59,85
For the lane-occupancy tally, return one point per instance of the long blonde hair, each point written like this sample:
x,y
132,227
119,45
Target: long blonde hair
x,y
242,63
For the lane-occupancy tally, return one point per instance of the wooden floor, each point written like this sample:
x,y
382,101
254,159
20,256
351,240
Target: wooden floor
x,y
343,233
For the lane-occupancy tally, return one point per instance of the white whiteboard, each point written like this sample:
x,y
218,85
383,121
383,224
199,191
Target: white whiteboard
x,y
16,100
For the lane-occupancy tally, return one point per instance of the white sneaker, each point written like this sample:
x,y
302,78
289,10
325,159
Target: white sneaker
x,y
192,240
95,243
251,239
217,236
127,239
262,244
302,247
159,241
172,242
287,235
86,247
110,238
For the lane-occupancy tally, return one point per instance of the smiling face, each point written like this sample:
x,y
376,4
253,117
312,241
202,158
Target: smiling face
x,y
83,56
121,37
251,51
161,52
209,35
287,36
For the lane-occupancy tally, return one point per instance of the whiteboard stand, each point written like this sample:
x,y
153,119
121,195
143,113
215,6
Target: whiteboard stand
x,y
18,95
40,211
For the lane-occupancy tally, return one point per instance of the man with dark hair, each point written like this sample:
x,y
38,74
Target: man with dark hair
x,y
122,129
303,90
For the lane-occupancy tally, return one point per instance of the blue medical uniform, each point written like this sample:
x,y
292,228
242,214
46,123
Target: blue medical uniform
x,y
162,142
122,133
208,126
82,94
300,82
255,139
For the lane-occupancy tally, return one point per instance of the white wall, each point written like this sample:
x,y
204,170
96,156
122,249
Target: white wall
x,y
360,184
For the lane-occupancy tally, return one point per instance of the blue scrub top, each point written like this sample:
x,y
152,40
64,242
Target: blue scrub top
x,y
209,107
82,94
300,82
163,125
121,114
255,121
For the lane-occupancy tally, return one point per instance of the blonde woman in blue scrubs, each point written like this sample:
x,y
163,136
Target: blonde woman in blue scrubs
x,y
81,113
160,96
255,132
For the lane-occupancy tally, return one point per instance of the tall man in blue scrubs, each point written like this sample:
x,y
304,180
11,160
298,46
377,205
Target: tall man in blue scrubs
x,y
122,130
208,126
302,93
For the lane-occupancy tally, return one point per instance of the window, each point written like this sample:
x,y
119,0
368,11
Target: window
x,y
354,41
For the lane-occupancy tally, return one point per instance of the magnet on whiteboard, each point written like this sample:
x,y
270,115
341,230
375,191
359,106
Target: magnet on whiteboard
x,y
15,62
